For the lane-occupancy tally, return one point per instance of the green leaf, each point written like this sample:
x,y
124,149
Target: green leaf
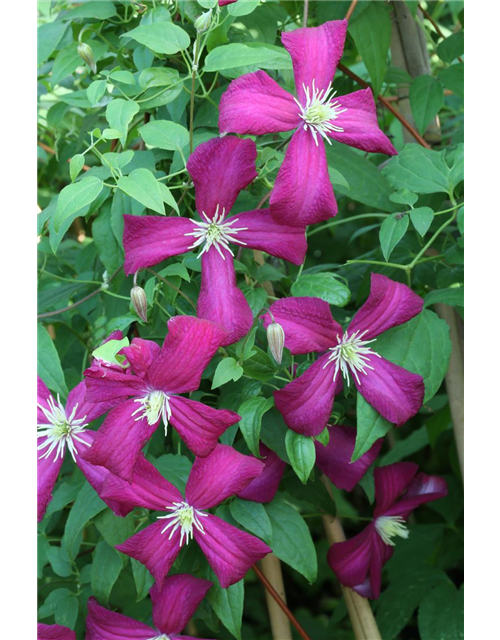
x,y
114,529
422,218
86,506
416,441
302,454
370,427
110,251
426,100
323,437
158,77
322,285
391,232
251,412
242,8
49,365
75,165
76,196
421,346
235,55
292,539
403,196
109,350
125,77
106,567
441,613
460,220
65,63
371,31
165,135
253,517
175,469
66,612
227,369
451,47
160,37
141,185
49,35
142,578
227,604
59,561
260,366
420,170
100,10
453,79
454,296
119,114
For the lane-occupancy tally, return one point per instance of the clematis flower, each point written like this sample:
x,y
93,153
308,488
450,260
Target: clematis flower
x,y
255,104
54,632
263,488
220,169
307,401
62,427
399,489
173,606
155,379
334,459
229,551
222,3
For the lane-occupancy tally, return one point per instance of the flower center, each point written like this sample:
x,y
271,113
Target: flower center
x,y
152,406
351,354
186,517
215,233
59,430
390,526
319,111
162,637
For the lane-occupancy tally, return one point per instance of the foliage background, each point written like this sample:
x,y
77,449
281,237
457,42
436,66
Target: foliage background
x,y
80,254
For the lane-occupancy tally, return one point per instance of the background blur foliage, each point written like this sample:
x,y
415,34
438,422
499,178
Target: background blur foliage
x,y
93,133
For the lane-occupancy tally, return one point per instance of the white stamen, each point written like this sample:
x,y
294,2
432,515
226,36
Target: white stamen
x,y
390,526
152,406
162,637
184,516
215,233
319,111
60,430
351,354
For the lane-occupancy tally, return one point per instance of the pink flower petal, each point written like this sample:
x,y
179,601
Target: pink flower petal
x,y
189,346
422,489
54,632
140,355
148,488
390,484
220,299
103,624
156,550
307,323
303,193
315,53
47,473
265,234
389,304
393,391
106,384
255,104
334,459
350,560
119,441
87,411
176,601
222,474
229,551
222,3
263,488
200,426
43,395
148,240
360,124
306,402
220,169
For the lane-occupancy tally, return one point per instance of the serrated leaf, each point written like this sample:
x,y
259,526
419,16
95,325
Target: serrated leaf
x,y
106,567
160,37
119,114
322,285
165,135
426,100
253,517
391,232
76,196
48,363
422,218
141,185
227,369
302,454
251,412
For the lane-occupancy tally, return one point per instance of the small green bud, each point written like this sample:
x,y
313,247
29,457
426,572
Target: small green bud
x,y
140,302
203,22
276,341
87,55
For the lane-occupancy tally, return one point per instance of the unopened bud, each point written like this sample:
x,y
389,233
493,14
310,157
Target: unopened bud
x,y
87,55
276,340
140,302
202,23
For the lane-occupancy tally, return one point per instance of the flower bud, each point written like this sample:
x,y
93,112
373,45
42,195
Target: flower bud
x,y
203,22
87,55
276,340
140,302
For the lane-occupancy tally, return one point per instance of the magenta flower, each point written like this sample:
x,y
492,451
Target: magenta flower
x,y
222,3
220,169
263,488
54,632
173,606
334,459
63,427
306,402
358,562
255,104
229,551
155,379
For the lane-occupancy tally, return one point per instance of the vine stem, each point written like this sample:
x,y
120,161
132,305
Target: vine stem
x,y
169,284
306,13
269,587
351,10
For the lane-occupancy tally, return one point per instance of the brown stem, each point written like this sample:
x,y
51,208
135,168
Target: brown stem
x,y
280,602
435,25
169,284
350,11
306,13
280,625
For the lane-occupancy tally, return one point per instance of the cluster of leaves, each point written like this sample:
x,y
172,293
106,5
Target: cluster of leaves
x,y
115,139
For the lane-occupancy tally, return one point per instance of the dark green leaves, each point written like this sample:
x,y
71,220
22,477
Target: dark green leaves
x,y
322,285
302,454
441,613
452,47
227,604
426,99
49,366
236,55
160,37
370,427
86,506
251,412
391,231
253,517
105,570
421,219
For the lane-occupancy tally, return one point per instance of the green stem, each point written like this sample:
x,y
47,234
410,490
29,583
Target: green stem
x,y
434,237
335,223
